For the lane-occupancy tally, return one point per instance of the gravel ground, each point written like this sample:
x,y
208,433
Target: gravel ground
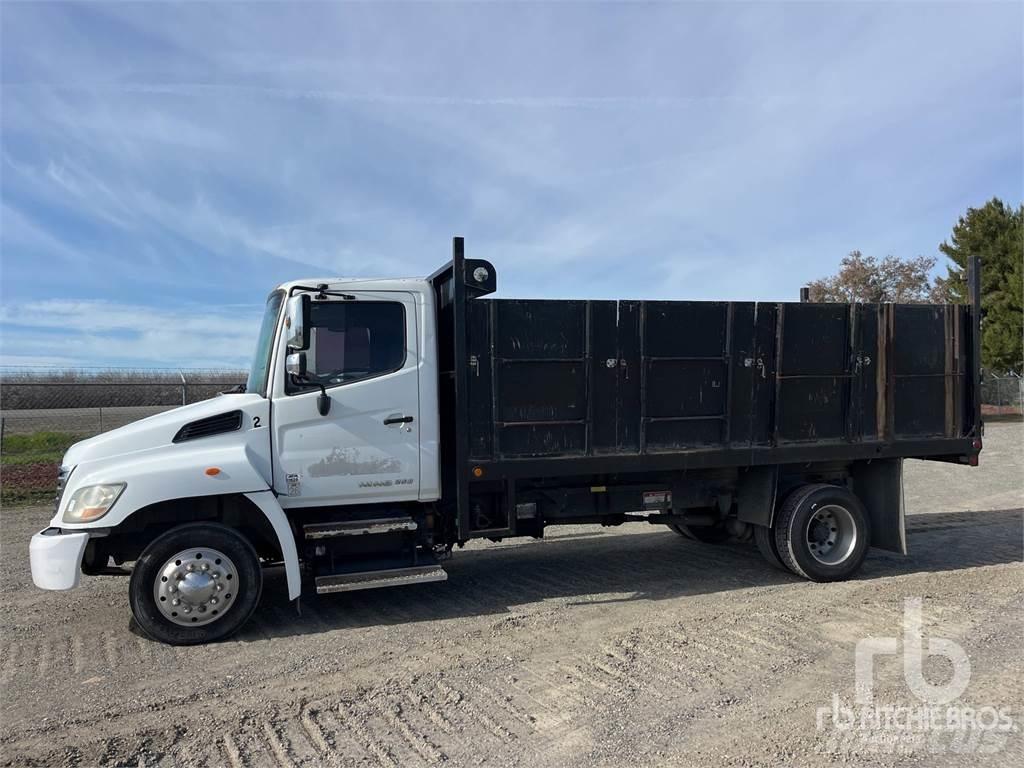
x,y
594,647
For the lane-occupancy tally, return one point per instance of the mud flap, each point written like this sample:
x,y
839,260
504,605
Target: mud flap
x,y
879,486
755,495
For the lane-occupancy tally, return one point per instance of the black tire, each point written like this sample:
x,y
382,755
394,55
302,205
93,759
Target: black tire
x,y
245,591
706,534
797,522
764,537
680,529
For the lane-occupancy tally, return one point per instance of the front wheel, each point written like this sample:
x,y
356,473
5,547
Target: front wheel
x,y
822,533
195,584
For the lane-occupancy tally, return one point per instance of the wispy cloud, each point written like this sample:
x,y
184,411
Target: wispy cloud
x,y
181,157
84,333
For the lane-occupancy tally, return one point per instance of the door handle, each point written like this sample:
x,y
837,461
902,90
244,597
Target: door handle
x,y
397,419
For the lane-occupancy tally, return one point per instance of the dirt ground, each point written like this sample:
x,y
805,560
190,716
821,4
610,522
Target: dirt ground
x,y
614,647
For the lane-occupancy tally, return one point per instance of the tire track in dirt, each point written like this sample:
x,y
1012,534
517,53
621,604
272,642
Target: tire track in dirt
x,y
231,750
579,671
391,721
281,751
314,731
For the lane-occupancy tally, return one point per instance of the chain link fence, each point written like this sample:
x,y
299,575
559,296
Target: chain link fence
x,y
1002,395
43,412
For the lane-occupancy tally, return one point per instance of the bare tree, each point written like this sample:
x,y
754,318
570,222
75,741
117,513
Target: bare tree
x,y
866,279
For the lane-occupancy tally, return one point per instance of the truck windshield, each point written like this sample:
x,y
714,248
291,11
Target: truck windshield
x,y
257,381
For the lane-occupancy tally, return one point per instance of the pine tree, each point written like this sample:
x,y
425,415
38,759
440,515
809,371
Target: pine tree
x,y
995,232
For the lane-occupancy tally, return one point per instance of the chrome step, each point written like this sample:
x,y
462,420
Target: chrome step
x,y
348,582
358,527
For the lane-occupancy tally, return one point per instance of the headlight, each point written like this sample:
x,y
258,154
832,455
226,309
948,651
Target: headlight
x,y
91,502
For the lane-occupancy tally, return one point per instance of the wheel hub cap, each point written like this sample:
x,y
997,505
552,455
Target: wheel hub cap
x,y
195,586
831,534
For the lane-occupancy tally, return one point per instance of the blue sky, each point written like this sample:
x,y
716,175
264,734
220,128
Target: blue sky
x,y
163,166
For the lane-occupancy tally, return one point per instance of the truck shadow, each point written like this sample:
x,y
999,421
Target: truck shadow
x,y
616,566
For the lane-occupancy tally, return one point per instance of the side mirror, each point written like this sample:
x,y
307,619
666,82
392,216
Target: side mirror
x,y
296,322
295,365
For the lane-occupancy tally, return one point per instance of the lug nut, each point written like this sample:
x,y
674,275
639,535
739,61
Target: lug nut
x,y
172,588
220,587
175,601
186,609
213,601
215,574
191,567
206,566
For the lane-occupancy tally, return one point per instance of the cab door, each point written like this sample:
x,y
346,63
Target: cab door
x,y
363,350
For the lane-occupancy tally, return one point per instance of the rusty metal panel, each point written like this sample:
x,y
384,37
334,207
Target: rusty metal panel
x,y
686,388
744,368
627,401
480,382
685,374
864,397
543,439
539,329
762,396
812,393
684,329
919,366
603,378
680,434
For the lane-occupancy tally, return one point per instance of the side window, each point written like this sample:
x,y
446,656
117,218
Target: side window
x,y
353,340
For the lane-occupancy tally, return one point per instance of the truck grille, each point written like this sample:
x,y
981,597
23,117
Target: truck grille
x,y
62,479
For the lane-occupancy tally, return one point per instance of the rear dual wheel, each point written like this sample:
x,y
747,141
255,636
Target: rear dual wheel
x,y
764,537
821,532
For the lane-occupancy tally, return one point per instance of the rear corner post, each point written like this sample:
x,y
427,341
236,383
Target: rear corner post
x,y
461,382
974,294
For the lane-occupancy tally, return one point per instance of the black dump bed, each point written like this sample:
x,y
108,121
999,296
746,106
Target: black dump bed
x,y
543,388
604,378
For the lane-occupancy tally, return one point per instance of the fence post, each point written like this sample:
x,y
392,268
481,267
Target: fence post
x,y
1,434
100,409
184,386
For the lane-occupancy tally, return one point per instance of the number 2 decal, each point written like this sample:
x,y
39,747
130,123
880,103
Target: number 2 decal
x,y
255,422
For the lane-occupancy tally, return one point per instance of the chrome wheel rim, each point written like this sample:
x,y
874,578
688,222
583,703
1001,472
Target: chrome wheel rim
x,y
196,587
831,534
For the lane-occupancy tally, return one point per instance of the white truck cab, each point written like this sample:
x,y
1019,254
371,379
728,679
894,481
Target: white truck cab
x,y
355,422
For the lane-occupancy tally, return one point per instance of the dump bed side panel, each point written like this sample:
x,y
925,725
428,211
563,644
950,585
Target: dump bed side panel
x,y
565,379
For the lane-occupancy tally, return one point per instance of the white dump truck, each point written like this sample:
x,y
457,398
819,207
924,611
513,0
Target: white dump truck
x,y
385,422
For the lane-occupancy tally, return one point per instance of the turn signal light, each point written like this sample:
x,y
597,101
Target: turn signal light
x,y
976,445
211,471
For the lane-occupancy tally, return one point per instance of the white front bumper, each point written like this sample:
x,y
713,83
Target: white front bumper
x,y
57,558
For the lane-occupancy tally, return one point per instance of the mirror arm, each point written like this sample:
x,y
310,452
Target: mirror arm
x,y
323,403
